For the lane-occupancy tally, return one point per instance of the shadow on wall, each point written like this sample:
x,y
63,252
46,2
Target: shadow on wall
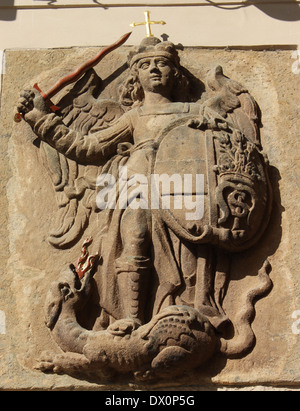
x,y
8,14
287,12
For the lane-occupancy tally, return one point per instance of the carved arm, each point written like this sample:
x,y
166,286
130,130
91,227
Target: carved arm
x,y
85,149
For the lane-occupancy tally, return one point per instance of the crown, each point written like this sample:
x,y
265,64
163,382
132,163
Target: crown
x,y
153,47
238,158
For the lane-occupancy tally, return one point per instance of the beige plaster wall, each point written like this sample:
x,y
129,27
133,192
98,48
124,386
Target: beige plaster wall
x,y
33,24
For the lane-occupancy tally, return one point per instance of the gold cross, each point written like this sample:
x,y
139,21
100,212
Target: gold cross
x,y
147,23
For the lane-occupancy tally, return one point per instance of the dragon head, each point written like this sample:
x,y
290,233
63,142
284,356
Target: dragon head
x,y
67,295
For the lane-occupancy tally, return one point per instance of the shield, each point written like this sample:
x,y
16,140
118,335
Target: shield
x,y
210,186
180,177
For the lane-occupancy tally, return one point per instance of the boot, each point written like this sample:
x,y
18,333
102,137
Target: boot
x,y
133,276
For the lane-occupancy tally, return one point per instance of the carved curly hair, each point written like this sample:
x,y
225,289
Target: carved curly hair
x,y
132,93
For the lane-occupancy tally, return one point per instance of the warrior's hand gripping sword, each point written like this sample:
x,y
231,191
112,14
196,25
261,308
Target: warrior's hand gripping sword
x,y
76,75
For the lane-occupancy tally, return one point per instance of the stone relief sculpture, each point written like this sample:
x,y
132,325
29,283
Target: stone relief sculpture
x,y
178,185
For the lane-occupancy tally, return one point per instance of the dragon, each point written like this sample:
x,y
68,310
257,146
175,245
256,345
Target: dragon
x,y
178,338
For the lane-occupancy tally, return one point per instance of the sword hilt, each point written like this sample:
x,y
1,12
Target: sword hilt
x,y
19,116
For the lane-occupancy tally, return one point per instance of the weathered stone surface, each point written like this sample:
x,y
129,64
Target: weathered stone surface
x,y
28,203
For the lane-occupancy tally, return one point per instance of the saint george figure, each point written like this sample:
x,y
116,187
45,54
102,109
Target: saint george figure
x,y
140,272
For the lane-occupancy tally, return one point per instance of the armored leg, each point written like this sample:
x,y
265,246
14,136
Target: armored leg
x,y
134,265
133,280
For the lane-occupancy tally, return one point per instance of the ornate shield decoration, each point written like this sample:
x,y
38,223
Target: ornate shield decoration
x,y
213,185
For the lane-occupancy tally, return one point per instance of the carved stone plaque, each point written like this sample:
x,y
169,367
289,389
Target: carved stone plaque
x,y
154,209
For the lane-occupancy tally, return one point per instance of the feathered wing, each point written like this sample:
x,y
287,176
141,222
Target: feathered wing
x,y
75,184
233,102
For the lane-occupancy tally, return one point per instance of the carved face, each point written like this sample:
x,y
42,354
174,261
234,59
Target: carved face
x,y
156,74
